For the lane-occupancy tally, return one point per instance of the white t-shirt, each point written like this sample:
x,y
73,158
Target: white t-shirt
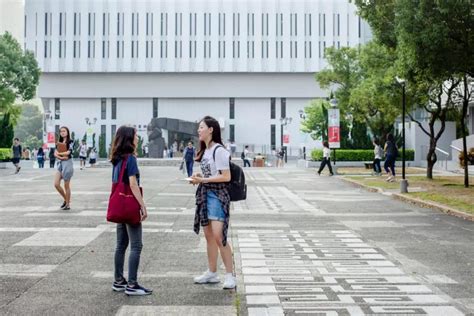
x,y
246,153
83,151
326,152
209,167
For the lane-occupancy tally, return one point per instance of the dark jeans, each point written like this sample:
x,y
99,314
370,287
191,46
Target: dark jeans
x,y
51,163
126,233
189,167
377,167
326,161
390,164
40,163
246,162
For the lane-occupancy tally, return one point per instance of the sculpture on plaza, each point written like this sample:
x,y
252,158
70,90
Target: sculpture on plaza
x,y
156,142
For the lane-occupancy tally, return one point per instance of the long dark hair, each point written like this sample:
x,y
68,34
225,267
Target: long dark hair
x,y
216,135
326,144
123,143
40,151
68,138
390,137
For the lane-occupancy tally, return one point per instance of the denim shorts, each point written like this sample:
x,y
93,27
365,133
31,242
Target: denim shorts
x,y
215,211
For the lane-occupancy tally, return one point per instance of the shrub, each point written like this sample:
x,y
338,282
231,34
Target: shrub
x,y
5,154
357,155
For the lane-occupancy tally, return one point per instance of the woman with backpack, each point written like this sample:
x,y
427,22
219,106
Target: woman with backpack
x,y
40,156
391,152
124,148
213,201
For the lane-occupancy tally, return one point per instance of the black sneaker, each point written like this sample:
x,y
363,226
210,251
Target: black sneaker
x,y
137,290
63,205
119,286
66,208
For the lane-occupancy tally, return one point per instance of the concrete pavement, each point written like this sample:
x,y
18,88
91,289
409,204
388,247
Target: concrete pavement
x,y
303,244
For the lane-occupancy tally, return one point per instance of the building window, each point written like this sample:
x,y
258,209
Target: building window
x,y
56,130
113,130
114,108
273,108
103,132
232,108
359,28
273,136
232,132
103,108
155,107
46,24
57,109
283,107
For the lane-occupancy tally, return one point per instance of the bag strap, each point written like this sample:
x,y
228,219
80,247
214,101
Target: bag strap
x,y
214,153
122,170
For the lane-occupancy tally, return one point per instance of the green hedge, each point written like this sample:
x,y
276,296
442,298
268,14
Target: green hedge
x,y
5,154
357,155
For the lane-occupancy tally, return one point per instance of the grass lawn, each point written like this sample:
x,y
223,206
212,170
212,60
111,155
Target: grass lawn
x,y
363,171
446,190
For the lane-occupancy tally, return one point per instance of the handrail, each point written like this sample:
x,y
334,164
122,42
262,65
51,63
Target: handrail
x,y
442,151
454,147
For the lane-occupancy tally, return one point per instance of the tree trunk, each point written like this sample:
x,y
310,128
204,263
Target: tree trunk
x,y
463,128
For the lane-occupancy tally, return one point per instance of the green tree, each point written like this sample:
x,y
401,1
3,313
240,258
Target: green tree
x,y
30,126
316,120
140,146
102,148
19,76
434,41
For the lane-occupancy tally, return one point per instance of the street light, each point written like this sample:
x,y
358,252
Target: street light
x,y
91,122
404,182
284,121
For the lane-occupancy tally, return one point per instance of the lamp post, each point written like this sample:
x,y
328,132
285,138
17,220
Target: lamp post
x,y
303,117
334,136
404,182
90,131
284,121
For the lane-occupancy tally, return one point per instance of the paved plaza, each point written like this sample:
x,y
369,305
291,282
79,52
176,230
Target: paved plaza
x,y
303,244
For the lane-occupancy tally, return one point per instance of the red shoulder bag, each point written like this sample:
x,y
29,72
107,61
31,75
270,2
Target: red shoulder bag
x,y
123,206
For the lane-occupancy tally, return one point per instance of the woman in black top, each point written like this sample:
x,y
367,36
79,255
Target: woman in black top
x,y
391,152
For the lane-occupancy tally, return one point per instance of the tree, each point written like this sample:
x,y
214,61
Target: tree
x,y
6,132
316,121
140,146
102,148
30,126
19,76
434,42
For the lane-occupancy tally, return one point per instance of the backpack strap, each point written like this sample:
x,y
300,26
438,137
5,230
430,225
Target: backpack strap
x,y
214,153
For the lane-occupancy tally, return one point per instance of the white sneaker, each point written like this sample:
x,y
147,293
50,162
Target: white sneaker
x,y
229,282
207,277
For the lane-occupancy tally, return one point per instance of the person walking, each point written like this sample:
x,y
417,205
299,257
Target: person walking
x,y
326,159
391,152
377,157
52,157
83,154
40,156
280,156
17,152
123,148
213,201
245,156
65,169
93,157
233,148
189,155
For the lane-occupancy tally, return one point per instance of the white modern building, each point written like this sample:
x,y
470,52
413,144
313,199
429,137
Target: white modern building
x,y
247,63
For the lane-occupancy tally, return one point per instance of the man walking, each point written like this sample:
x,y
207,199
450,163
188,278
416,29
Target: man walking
x,y
245,156
16,151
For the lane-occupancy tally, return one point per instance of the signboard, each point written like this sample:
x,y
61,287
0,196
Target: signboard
x,y
286,139
333,129
51,139
89,136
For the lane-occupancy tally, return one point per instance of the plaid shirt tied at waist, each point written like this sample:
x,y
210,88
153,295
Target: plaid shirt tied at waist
x,y
200,217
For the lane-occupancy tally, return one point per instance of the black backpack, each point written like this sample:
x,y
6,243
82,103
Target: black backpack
x,y
242,155
237,186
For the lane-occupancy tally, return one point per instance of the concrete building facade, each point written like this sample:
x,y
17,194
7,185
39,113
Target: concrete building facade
x,y
247,63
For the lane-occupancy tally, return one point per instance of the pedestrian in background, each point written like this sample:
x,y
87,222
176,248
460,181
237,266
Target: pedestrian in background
x,y
83,154
40,156
326,159
17,152
377,157
391,152
189,155
52,157
245,156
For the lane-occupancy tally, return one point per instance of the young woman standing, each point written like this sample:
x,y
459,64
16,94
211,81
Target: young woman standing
x,y
65,167
213,201
391,152
124,147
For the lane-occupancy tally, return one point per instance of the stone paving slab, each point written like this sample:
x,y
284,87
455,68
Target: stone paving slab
x,y
302,245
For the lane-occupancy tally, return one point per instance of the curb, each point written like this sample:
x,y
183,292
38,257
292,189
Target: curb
x,y
415,201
